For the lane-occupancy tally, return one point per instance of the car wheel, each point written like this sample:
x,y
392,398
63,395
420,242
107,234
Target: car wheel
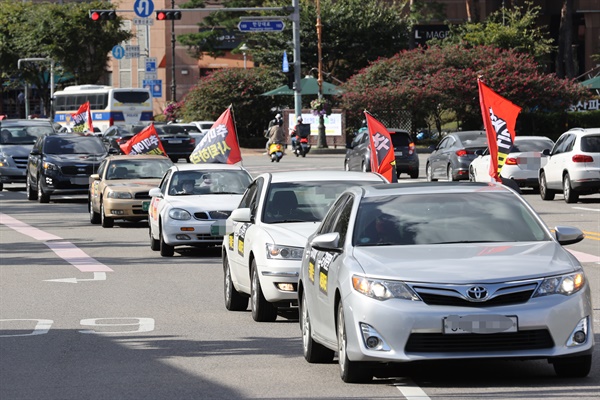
x,y
31,194
572,367
234,301
429,174
472,175
570,195
262,310
154,243
313,352
450,173
413,175
346,166
350,371
545,193
104,220
94,216
174,159
1,187
42,196
166,250
363,167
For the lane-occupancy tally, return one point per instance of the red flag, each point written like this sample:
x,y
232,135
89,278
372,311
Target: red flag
x,y
220,144
145,142
383,159
499,118
83,116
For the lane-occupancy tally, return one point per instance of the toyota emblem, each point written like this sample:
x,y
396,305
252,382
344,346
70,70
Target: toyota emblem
x,y
477,293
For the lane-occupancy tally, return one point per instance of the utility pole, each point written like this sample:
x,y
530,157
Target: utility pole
x,y
51,61
297,64
173,40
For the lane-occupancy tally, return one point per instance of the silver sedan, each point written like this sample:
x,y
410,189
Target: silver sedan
x,y
410,272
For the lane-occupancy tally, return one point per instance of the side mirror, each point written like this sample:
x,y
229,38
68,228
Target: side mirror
x,y
112,150
95,177
241,215
35,152
327,242
568,235
546,152
479,152
155,192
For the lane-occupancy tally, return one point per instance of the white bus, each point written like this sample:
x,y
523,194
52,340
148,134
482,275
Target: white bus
x,y
109,106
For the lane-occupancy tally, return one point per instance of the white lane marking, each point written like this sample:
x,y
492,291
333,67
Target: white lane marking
x,y
587,209
98,276
410,390
42,327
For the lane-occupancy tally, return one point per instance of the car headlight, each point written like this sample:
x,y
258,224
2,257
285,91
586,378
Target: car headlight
x,y
179,213
119,195
3,161
564,284
278,252
383,290
48,166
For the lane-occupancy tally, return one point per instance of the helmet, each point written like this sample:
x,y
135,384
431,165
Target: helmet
x,y
299,119
278,116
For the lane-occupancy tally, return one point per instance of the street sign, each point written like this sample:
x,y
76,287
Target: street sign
x,y
143,21
150,64
143,8
286,65
132,51
155,86
118,52
260,25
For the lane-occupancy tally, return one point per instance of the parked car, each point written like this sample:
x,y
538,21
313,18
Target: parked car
x,y
17,137
573,166
267,233
521,165
442,271
203,126
451,158
62,164
120,188
358,153
191,129
190,206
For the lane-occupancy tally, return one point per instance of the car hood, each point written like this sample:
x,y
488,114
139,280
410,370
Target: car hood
x,y
76,158
291,234
462,263
206,202
135,184
16,150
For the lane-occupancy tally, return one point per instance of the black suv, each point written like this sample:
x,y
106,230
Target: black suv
x,y
17,137
62,164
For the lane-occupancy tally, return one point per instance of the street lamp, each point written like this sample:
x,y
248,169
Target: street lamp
x,y
244,49
322,143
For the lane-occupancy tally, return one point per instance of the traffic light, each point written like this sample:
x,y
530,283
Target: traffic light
x,y
290,77
164,15
103,15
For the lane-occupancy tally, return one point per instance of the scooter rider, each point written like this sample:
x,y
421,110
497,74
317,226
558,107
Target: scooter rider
x,y
277,134
294,133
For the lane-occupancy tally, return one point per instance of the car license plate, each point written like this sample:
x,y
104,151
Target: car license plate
x,y
457,324
218,228
175,141
145,205
80,180
398,153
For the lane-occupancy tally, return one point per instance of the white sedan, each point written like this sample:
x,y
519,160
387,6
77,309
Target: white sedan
x,y
522,164
192,203
265,236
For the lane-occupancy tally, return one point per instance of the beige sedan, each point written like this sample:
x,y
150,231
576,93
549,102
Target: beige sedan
x,y
120,188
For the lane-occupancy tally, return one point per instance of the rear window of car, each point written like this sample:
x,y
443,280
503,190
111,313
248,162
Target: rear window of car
x,y
590,143
400,139
532,145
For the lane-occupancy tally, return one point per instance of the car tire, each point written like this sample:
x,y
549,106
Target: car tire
x,y
166,250
262,310
472,175
105,221
450,173
174,160
154,243
350,371
413,175
31,194
313,352
346,166
363,167
429,174
1,187
42,196
545,193
570,195
94,216
573,367
234,301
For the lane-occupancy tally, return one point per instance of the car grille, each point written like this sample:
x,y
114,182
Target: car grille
x,y
514,341
501,296
212,215
142,196
77,170
21,162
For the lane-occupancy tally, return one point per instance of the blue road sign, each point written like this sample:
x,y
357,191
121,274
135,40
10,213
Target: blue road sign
x,y
143,8
259,25
155,86
118,52
286,65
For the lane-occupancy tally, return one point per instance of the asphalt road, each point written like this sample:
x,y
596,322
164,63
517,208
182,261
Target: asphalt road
x,y
93,313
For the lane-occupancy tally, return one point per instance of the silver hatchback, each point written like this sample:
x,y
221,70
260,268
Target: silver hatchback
x,y
435,271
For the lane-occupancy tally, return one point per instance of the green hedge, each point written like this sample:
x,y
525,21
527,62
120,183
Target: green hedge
x,y
554,124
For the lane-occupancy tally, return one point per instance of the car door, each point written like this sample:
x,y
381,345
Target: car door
x,y
157,204
97,186
557,161
481,167
439,157
34,161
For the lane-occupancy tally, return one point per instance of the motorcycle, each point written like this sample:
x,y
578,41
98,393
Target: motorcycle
x,y
302,147
275,151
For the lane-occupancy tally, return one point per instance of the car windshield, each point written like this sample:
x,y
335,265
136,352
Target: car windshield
x,y
531,145
303,202
23,134
196,182
73,145
138,168
457,218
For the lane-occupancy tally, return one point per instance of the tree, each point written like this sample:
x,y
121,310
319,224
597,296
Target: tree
x,y
213,94
564,56
61,32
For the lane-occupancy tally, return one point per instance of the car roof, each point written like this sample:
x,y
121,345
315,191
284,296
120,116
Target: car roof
x,y
207,166
583,131
26,122
335,175
438,188
136,156
520,138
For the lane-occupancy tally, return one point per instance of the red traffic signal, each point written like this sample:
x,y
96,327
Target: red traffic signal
x,y
103,15
163,15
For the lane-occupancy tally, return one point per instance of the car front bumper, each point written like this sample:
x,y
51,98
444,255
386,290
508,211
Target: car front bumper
x,y
193,232
413,330
126,208
274,275
12,175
